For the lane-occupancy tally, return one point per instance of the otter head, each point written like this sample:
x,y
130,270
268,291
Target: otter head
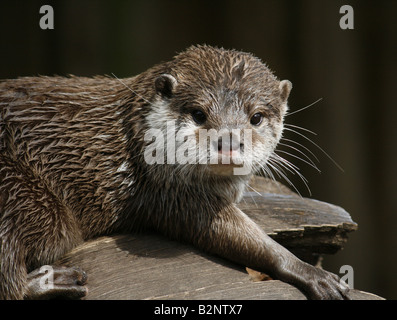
x,y
218,111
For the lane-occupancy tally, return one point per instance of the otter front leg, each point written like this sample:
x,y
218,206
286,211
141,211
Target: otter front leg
x,y
233,235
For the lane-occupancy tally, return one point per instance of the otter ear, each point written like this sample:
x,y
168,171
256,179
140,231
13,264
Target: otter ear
x,y
165,85
285,88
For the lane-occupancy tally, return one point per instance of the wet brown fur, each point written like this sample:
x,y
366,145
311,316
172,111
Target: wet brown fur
x,y
63,143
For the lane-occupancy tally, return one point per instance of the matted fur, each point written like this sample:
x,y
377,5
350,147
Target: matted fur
x,y
72,164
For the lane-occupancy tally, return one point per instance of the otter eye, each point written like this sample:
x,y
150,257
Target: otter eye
x,y
198,116
256,119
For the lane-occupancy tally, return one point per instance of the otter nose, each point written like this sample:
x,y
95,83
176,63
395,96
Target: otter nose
x,y
229,143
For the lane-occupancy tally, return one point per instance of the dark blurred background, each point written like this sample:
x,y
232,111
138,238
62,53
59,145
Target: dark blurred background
x,y
353,71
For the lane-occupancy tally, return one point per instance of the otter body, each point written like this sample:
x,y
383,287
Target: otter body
x,y
74,165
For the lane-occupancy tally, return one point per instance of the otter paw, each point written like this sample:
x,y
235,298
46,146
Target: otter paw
x,y
55,282
324,285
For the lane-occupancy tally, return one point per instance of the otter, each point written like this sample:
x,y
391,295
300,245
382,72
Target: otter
x,y
77,162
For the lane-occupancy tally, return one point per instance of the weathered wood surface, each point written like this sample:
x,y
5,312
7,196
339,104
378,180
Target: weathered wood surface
x,y
152,267
307,227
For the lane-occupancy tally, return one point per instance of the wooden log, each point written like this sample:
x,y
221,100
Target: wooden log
x,y
149,266
152,267
307,227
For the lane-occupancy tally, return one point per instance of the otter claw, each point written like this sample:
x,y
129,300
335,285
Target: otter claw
x,y
326,286
54,282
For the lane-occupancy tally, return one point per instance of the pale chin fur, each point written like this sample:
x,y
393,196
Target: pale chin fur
x,y
191,167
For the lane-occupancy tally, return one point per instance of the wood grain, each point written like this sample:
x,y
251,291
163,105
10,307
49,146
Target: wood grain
x,y
150,266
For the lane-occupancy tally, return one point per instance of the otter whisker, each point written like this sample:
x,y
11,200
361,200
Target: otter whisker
x,y
301,152
266,171
299,158
134,92
278,158
317,146
301,145
290,167
279,171
304,108
258,193
300,128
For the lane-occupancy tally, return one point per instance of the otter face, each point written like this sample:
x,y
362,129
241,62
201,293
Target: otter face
x,y
219,110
